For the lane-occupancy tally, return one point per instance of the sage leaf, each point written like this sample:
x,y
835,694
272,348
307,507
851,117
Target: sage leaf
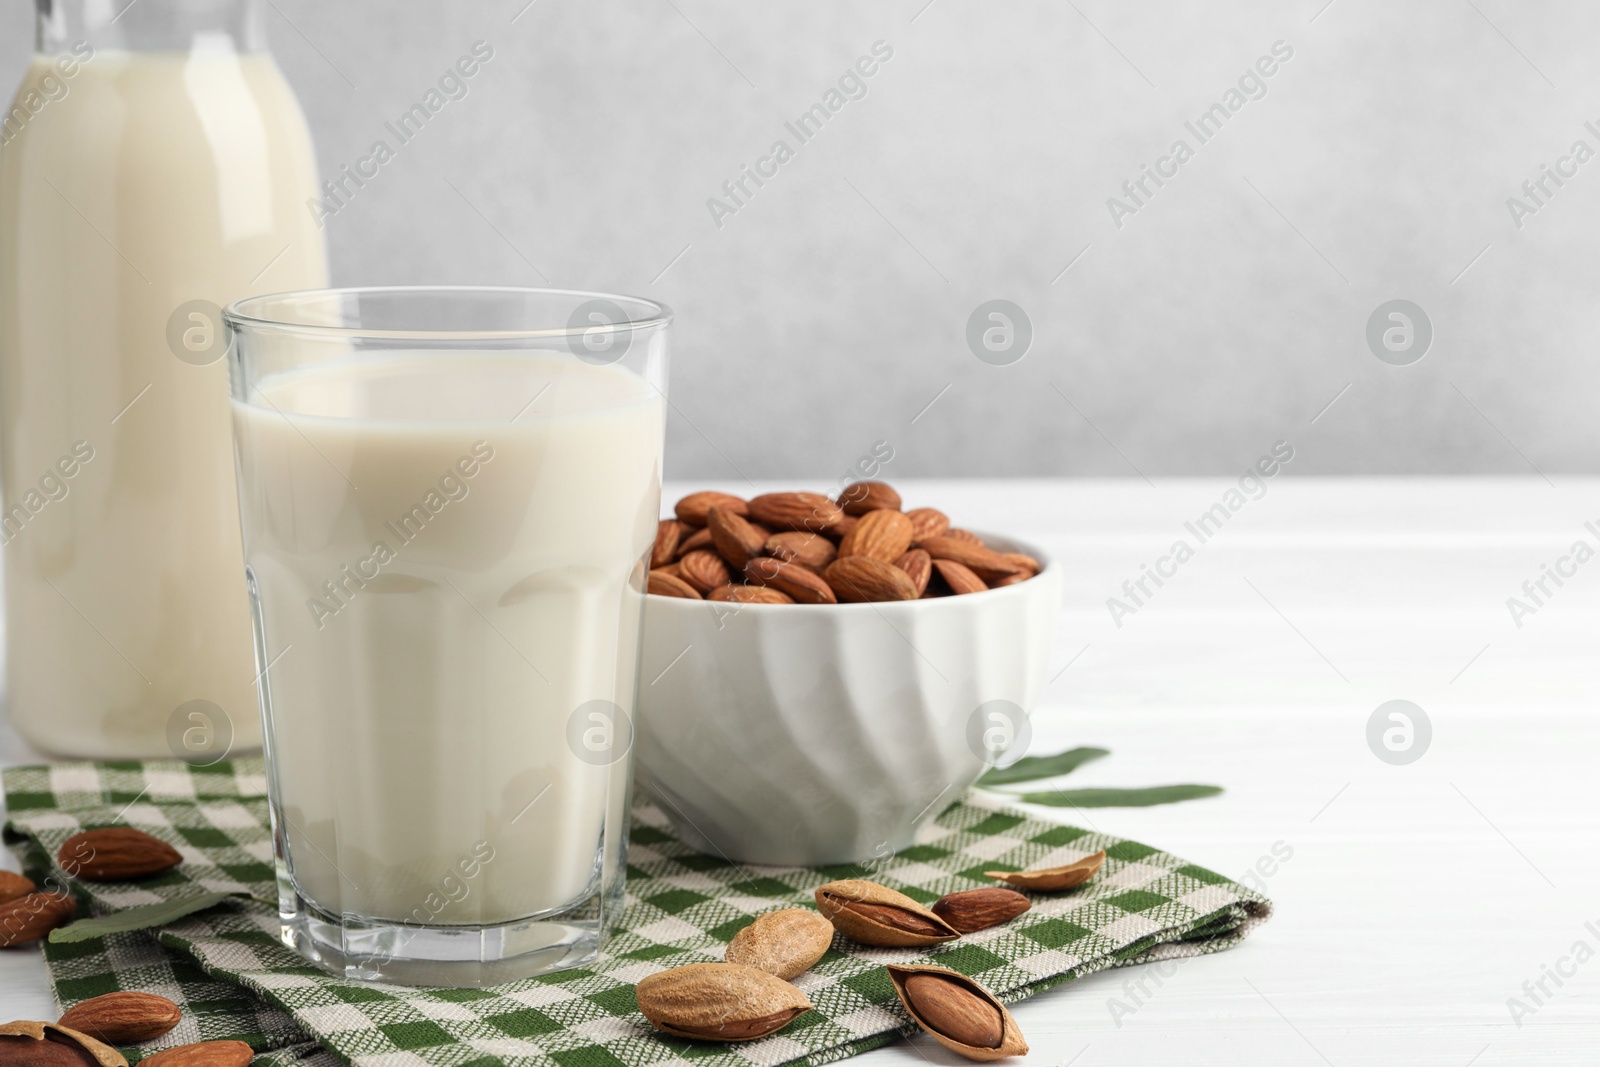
x,y
141,917
1038,768
1146,797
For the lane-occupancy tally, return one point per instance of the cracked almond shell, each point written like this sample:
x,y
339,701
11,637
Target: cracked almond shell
x,y
1051,879
874,914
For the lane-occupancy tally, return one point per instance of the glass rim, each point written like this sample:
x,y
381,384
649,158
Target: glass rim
x,y
249,312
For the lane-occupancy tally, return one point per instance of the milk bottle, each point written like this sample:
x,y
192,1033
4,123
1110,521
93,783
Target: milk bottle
x,y
154,165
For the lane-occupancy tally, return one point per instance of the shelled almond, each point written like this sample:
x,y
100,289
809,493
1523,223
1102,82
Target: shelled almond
x,y
808,548
123,1018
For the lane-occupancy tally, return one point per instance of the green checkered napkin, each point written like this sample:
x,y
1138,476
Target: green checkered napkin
x,y
233,978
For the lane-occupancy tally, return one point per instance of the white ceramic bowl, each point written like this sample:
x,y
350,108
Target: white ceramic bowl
x,y
825,734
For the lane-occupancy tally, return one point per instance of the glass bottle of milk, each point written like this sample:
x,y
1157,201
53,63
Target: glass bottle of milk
x,y
153,166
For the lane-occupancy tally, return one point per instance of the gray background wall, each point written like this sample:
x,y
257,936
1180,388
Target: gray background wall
x,y
832,308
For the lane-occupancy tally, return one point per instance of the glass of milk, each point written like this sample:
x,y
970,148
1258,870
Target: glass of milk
x,y
448,498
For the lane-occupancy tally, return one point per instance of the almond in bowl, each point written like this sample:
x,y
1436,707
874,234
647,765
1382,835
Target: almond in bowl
x,y
827,698
861,546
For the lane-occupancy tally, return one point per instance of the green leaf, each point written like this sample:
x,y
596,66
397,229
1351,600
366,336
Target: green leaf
x,y
1146,797
1037,768
142,917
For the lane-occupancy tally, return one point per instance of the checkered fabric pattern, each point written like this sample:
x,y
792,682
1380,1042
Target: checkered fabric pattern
x,y
234,979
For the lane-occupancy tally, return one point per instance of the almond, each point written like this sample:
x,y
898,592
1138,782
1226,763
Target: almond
x,y
803,585
115,854
719,1002
859,579
703,570
31,917
749,594
795,511
961,1015
1026,562
663,584
882,534
692,509
786,943
736,538
840,530
958,578
1010,579
123,1018
204,1054
979,909
979,560
927,522
858,498
873,914
35,1044
918,566
13,885
701,538
668,533
1050,879
811,551
964,535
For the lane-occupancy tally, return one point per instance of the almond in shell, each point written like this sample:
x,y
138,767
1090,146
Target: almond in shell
x,y
879,534
115,854
123,1018
862,579
874,914
858,498
961,1015
35,1044
1051,879
786,943
804,586
719,1002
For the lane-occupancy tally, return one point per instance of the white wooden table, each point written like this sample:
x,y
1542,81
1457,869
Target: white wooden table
x,y
1416,899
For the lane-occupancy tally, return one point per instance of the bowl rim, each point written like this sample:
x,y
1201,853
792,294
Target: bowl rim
x,y
1050,565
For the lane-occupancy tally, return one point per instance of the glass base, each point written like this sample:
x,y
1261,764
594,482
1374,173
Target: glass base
x,y
375,950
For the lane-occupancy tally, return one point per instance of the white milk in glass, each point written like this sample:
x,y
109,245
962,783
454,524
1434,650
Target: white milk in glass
x,y
142,182
447,552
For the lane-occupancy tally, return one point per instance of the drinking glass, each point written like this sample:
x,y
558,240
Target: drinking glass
x,y
448,498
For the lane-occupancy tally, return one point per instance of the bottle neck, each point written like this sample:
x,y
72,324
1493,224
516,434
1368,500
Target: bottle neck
x,y
150,25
